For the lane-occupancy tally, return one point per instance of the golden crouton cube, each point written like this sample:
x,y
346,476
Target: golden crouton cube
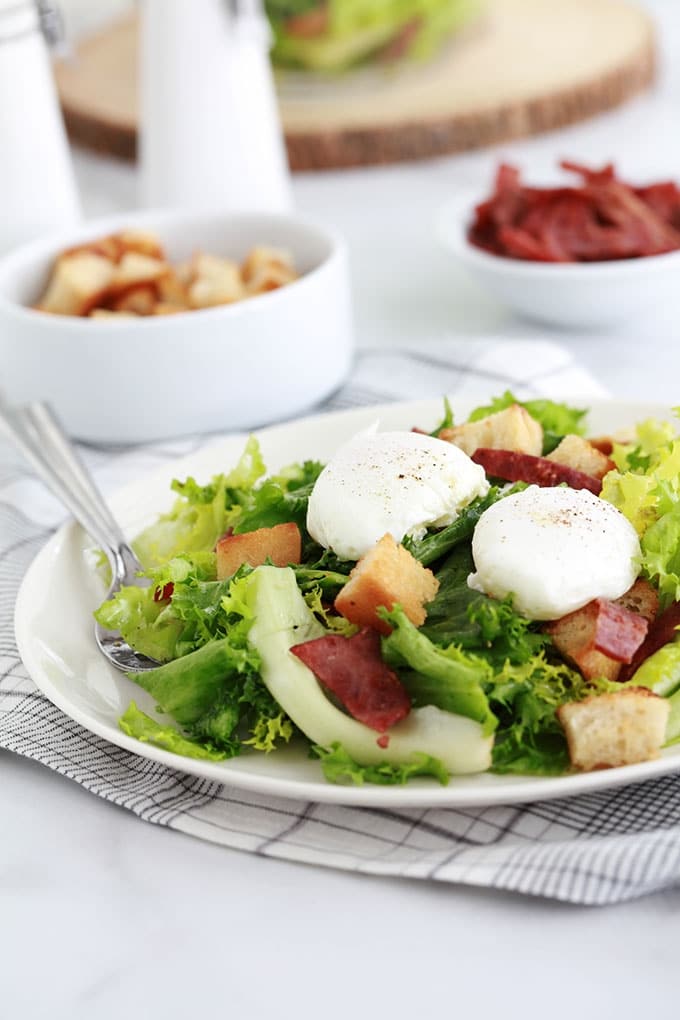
x,y
77,284
577,453
641,598
281,544
212,267
512,429
141,300
142,242
134,269
269,278
387,574
261,258
216,282
184,271
621,728
171,290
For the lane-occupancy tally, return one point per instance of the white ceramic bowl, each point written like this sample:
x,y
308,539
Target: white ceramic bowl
x,y
593,295
237,366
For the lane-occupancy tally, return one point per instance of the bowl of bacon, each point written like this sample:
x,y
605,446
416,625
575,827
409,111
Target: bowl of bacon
x,y
587,254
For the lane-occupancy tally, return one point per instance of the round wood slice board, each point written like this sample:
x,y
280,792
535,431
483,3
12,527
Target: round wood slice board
x,y
527,66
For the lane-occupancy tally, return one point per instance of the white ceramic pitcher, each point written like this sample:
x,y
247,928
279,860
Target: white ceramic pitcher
x,y
37,187
210,130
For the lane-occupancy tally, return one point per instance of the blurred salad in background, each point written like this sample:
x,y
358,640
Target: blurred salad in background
x,y
335,35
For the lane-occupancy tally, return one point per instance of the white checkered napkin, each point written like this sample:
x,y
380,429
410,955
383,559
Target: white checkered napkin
x,y
599,848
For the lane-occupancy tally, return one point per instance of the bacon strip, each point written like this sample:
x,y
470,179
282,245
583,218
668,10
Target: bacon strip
x,y
523,467
618,631
353,670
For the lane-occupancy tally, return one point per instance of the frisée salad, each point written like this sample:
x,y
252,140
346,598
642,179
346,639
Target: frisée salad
x,y
498,594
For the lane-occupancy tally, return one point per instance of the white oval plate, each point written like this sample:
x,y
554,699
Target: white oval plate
x,y
55,636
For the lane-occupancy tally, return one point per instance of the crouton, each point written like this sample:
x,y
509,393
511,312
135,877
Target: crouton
x,y
135,269
171,290
216,282
141,300
212,267
184,271
642,598
269,278
141,242
511,429
261,258
577,453
281,544
387,574
608,730
77,284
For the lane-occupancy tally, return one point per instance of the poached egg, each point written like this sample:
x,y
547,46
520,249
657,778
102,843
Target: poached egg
x,y
390,482
554,550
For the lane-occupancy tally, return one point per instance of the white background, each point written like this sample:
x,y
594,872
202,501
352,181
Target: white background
x,y
104,916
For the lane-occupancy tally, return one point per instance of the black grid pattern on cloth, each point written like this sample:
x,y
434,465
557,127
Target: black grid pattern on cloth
x,y
598,848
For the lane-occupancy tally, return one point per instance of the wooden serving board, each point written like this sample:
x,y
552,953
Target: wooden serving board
x,y
527,66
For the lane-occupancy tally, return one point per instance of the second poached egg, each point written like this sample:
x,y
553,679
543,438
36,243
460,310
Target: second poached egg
x,y
554,550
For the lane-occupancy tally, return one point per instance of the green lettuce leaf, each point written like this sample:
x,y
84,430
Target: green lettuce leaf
x,y
646,489
192,686
142,727
660,672
661,555
447,678
202,513
144,623
169,629
447,420
327,582
216,692
673,724
530,739
269,732
280,499
339,767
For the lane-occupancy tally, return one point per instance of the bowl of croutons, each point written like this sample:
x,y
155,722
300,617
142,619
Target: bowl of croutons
x,y
161,324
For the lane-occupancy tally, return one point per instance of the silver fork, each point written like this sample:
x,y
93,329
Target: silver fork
x,y
37,433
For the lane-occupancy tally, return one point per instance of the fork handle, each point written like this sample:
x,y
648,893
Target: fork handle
x,y
38,434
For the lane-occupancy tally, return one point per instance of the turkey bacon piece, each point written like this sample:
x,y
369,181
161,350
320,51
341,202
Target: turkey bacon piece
x,y
353,670
618,631
523,467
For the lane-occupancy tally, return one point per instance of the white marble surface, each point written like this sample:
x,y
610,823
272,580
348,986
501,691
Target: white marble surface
x,y
104,916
